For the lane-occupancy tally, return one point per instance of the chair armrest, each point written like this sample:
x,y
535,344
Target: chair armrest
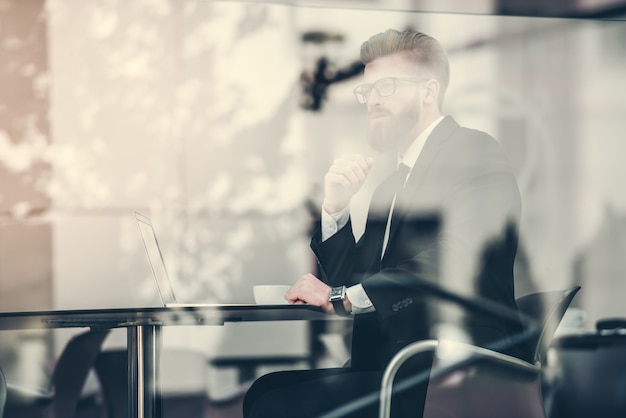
x,y
471,354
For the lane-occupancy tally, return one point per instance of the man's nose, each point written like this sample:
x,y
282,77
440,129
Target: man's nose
x,y
374,99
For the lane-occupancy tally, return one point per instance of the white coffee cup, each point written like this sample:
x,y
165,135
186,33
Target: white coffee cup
x,y
270,294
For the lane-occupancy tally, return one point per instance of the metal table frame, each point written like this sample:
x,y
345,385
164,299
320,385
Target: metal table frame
x,y
144,334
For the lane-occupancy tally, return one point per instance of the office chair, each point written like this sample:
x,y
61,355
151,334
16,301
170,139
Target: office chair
x,y
70,372
3,393
485,383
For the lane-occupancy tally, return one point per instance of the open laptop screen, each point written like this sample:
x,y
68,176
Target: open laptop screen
x,y
156,259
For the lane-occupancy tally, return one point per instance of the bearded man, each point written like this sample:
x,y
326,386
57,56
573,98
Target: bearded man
x,y
448,217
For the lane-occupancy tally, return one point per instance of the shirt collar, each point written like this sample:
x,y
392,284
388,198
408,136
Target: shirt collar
x,y
413,152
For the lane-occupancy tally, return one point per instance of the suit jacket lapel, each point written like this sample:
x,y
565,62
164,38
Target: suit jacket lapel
x,y
432,146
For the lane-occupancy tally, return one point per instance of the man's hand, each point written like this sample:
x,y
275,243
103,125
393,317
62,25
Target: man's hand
x,y
343,179
309,289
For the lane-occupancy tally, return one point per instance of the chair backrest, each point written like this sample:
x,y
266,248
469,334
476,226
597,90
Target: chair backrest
x,y
183,390
72,368
112,371
547,308
3,393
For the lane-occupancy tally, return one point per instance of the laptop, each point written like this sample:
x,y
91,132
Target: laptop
x,y
164,285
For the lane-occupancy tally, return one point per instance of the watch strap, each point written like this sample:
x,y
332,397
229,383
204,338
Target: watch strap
x,y
338,294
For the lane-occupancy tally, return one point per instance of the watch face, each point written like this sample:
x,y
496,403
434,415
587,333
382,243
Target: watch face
x,y
336,293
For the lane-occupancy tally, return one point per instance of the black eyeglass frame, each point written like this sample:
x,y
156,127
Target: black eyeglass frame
x,y
363,97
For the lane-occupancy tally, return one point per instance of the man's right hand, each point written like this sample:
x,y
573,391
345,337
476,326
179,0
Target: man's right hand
x,y
343,179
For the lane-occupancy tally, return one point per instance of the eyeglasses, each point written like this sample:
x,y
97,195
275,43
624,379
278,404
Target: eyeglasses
x,y
384,87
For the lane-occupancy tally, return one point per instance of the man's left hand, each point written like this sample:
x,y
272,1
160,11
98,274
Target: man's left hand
x,y
309,289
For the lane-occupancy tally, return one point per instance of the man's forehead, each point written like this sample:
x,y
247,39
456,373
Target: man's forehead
x,y
390,65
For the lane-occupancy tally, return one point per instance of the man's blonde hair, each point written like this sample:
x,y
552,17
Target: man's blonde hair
x,y
418,47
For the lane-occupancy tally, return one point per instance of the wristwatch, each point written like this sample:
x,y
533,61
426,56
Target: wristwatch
x,y
337,296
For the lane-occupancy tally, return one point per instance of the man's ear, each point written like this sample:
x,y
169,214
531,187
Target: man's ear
x,y
432,91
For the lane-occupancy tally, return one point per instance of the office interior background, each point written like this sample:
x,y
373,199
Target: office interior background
x,y
218,119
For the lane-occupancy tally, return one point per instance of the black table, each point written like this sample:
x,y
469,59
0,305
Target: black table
x,y
143,334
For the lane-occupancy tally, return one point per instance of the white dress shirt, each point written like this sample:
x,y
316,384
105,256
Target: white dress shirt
x,y
333,223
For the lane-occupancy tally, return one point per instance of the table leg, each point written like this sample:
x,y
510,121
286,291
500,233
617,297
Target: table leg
x,y
143,344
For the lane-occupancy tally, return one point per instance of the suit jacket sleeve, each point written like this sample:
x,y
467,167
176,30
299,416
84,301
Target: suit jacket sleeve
x,y
456,227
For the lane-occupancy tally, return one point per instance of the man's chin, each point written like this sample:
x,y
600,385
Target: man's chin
x,y
379,142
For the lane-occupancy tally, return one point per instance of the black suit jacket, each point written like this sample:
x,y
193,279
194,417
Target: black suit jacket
x,y
454,224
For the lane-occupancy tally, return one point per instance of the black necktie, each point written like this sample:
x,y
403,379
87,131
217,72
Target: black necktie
x,y
401,173
399,178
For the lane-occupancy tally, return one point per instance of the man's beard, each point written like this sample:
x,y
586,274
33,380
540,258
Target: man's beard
x,y
393,130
